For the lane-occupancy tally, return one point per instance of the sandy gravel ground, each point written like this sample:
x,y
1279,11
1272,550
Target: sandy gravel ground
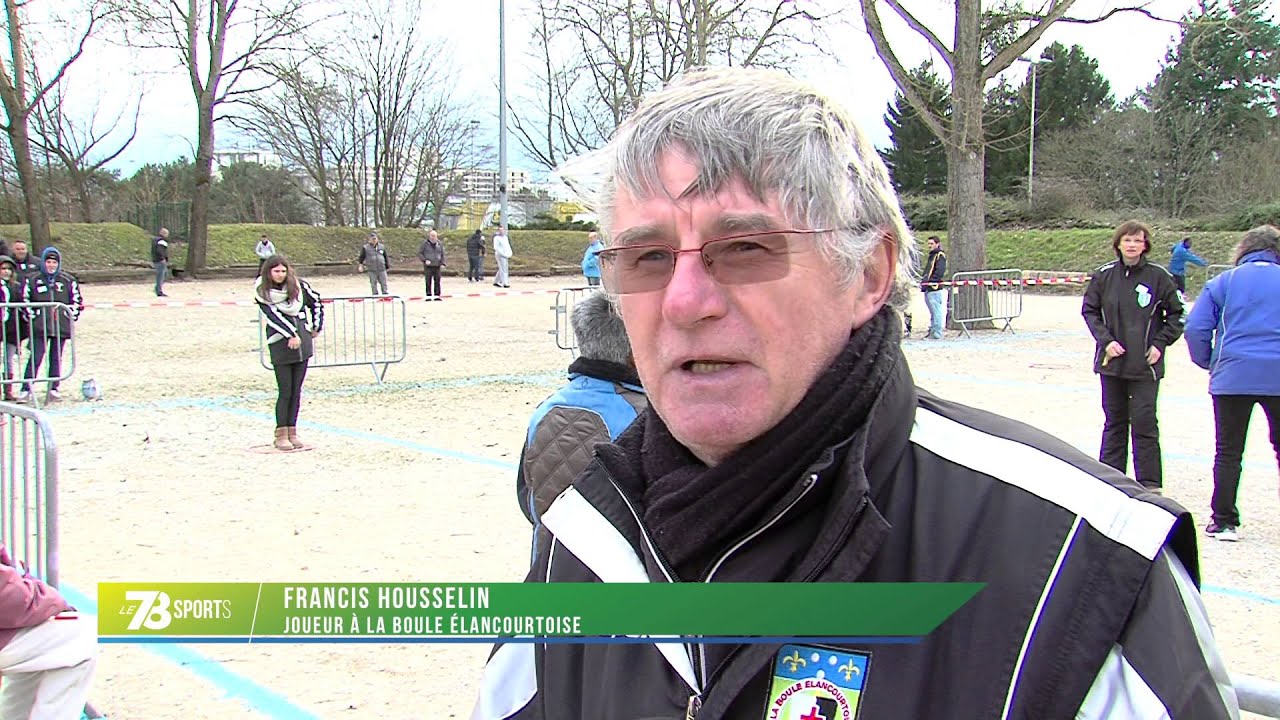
x,y
412,481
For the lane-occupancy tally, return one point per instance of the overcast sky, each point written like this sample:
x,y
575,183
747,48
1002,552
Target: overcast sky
x,y
1129,49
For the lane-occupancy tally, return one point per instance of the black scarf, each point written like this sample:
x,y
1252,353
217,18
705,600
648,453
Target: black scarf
x,y
695,512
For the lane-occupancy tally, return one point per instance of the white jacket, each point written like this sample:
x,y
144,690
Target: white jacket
x,y
264,249
501,247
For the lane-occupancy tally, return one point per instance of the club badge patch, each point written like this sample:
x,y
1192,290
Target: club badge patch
x,y
1144,295
811,682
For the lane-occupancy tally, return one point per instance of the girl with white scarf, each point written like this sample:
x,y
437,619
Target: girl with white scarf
x,y
293,315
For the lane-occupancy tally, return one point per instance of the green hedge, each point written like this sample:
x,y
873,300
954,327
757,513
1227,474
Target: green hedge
x,y
114,245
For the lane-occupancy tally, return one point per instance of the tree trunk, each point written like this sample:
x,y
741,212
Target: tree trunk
x,y
37,218
86,200
198,233
966,162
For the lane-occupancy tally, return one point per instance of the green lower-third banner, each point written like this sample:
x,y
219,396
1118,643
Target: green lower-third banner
x,y
563,612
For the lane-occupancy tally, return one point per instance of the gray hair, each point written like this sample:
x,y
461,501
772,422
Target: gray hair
x,y
599,330
1263,237
781,138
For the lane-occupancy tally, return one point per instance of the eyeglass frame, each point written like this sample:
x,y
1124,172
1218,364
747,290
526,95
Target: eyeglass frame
x,y
706,262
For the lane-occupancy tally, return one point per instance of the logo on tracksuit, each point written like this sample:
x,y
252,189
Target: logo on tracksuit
x,y
811,682
1144,295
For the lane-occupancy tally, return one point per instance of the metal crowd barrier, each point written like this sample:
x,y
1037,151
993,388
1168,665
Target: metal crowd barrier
x,y
985,296
1214,271
29,490
566,299
29,495
358,330
35,320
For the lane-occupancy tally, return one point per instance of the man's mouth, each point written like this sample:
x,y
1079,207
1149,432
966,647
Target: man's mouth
x,y
705,367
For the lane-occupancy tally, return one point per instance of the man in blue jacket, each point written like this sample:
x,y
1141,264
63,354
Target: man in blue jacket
x,y
602,398
1178,263
590,263
1234,333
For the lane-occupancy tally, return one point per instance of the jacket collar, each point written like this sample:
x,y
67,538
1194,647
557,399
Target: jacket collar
x,y
1260,256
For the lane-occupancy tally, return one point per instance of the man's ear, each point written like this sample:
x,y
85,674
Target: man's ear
x,y
879,271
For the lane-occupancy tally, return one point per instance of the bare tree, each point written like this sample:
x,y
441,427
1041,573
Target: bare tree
x,y
305,120
595,59
415,131
21,94
222,45
984,43
80,147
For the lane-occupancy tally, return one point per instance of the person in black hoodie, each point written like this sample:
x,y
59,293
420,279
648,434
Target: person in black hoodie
x,y
10,293
1134,311
475,257
50,326
27,265
160,259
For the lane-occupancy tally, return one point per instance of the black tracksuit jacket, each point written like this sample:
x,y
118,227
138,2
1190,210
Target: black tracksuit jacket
x,y
1088,581
1138,307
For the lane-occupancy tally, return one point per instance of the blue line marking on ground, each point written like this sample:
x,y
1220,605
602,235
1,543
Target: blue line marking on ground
x,y
239,687
1242,594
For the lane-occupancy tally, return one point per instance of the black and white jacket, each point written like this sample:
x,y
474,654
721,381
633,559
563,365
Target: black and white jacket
x,y
280,326
52,322
1137,306
1090,610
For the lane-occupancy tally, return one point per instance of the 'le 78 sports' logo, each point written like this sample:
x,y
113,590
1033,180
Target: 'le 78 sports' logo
x,y
154,610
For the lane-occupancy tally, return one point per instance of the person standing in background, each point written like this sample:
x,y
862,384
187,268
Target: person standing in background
x,y
1134,311
1242,357
502,253
374,261
160,259
431,253
10,294
27,265
591,263
264,249
50,326
935,296
1178,263
475,257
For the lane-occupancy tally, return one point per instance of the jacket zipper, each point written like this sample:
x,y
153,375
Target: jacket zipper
x,y
695,700
699,655
694,705
1146,339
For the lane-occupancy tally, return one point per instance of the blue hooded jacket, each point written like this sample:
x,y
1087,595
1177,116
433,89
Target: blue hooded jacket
x,y
591,263
1181,256
1234,329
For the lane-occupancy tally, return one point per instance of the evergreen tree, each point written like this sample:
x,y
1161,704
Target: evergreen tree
x,y
917,160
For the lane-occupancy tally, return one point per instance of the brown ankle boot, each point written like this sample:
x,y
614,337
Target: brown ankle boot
x,y
282,439
293,438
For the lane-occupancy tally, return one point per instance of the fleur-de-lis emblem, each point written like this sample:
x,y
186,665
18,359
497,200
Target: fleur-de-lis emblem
x,y
794,660
849,670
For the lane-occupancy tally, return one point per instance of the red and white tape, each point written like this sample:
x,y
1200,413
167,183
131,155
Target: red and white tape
x,y
138,304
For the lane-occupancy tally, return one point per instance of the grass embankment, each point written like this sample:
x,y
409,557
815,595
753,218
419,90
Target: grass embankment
x,y
120,245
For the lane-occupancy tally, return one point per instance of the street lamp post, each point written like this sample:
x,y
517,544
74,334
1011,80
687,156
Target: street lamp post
x,y
1031,143
468,177
1031,130
502,114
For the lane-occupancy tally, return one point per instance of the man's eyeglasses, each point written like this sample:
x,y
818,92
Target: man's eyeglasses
x,y
735,260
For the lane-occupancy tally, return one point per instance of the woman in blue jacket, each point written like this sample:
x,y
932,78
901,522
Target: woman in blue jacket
x,y
1234,333
591,263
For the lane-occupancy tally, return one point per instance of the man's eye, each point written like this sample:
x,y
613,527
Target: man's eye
x,y
652,256
741,247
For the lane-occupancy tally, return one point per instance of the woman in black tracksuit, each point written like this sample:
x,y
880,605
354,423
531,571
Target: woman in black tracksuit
x,y
294,315
1134,312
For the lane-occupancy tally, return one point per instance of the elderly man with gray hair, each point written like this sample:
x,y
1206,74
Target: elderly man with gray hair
x,y
602,398
758,256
